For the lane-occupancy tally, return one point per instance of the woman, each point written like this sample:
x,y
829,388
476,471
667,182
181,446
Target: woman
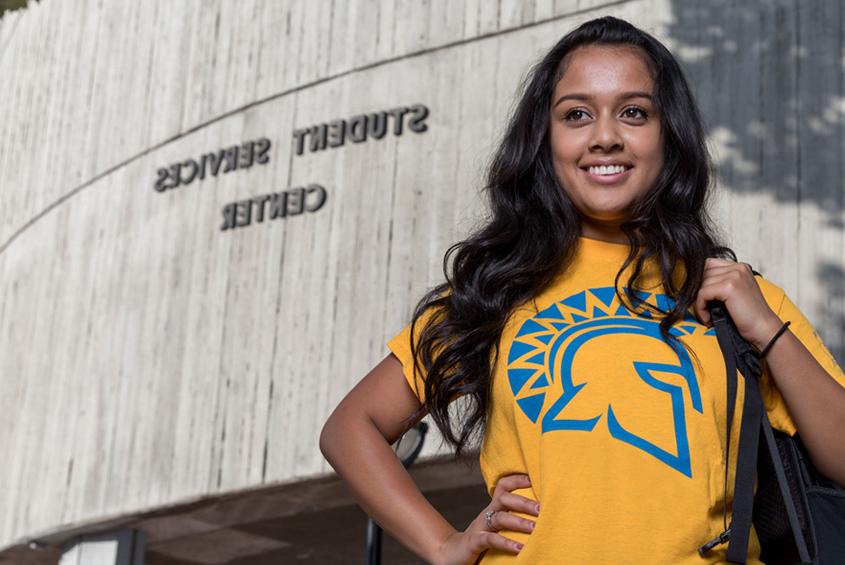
x,y
575,323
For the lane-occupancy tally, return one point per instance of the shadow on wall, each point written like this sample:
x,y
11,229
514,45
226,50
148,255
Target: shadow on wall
x,y
831,276
777,69
774,71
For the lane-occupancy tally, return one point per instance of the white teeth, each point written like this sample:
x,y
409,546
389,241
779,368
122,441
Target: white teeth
x,y
607,170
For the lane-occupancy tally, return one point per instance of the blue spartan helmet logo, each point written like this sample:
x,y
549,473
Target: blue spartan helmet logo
x,y
541,338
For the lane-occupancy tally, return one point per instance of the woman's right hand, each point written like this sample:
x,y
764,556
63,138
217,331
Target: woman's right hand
x,y
462,548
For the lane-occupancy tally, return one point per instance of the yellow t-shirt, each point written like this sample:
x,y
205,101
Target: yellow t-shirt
x,y
621,435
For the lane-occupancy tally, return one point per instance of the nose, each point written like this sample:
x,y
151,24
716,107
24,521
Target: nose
x,y
605,135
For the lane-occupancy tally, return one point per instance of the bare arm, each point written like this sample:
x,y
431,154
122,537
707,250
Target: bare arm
x,y
815,399
356,440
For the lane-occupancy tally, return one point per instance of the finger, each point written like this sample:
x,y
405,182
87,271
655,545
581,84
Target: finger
x,y
749,267
702,302
731,276
702,313
712,262
503,520
740,269
716,276
722,269
480,541
716,290
741,272
511,482
519,503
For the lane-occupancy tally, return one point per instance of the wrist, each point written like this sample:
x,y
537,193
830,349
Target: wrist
x,y
439,555
768,346
767,331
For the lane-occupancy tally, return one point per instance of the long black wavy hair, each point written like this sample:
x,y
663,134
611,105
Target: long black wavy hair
x,y
533,228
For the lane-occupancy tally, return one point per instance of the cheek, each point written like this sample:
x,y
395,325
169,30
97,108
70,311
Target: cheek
x,y
566,174
565,151
650,150
655,163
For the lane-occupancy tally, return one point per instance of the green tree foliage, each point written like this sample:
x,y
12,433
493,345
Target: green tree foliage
x,y
9,5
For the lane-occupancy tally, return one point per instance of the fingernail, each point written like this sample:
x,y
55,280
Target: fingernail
x,y
519,546
532,525
536,508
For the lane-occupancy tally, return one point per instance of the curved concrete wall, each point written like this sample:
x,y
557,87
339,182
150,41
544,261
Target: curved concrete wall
x,y
149,357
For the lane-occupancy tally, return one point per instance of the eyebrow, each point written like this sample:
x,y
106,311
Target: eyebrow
x,y
624,96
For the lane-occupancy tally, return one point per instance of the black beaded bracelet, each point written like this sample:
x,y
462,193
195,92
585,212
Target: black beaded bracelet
x,y
772,341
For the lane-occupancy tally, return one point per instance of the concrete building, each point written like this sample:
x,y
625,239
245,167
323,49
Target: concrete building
x,y
214,213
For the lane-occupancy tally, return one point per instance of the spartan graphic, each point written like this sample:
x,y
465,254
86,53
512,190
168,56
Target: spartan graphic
x,y
541,357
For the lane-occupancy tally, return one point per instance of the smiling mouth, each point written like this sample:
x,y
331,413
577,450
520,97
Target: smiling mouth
x,y
610,174
606,170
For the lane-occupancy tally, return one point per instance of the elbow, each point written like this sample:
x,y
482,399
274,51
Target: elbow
x,y
327,435
334,436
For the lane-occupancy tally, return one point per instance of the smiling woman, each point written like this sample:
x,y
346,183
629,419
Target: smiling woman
x,y
575,325
604,132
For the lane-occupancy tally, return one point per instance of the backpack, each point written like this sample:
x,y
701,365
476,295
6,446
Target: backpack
x,y
798,514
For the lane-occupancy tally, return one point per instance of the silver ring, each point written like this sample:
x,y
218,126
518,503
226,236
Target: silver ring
x,y
488,518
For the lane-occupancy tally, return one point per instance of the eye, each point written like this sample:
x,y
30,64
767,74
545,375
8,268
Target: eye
x,y
635,112
574,115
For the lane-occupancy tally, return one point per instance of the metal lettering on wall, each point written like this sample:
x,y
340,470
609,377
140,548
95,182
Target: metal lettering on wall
x,y
273,206
294,201
226,160
358,128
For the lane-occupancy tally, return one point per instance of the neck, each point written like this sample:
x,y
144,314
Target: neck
x,y
602,230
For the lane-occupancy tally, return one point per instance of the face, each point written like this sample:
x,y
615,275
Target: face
x,y
603,115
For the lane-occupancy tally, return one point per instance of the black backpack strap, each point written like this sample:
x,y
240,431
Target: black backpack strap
x,y
788,501
754,418
720,322
738,533
746,471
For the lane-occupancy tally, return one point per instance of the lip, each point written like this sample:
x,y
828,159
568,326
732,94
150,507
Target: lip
x,y
608,179
606,163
